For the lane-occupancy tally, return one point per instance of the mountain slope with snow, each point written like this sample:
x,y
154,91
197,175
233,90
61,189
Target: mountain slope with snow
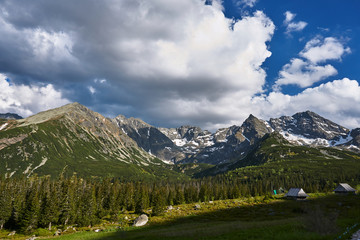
x,y
189,144
73,136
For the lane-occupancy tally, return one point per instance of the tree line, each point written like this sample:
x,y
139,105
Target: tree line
x,y
40,202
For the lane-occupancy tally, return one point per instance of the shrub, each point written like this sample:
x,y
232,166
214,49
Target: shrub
x,y
41,232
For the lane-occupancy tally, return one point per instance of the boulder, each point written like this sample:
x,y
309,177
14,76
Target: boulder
x,y
12,233
197,206
141,220
58,232
32,238
169,208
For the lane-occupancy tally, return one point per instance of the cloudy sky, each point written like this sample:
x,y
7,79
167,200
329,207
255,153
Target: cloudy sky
x,y
171,63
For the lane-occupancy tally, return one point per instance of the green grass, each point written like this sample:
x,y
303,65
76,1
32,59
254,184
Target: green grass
x,y
245,218
274,157
71,149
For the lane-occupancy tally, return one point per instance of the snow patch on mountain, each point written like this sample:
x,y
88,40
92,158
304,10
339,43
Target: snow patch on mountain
x,y
302,140
3,126
342,140
353,147
180,142
124,131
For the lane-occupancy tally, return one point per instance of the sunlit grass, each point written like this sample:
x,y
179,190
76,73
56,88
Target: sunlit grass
x,y
245,218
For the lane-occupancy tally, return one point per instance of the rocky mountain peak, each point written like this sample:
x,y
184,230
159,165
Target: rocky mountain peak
x,y
309,128
191,132
12,116
354,143
73,109
133,122
255,128
222,134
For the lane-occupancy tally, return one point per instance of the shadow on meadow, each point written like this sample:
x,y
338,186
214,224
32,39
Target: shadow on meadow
x,y
318,218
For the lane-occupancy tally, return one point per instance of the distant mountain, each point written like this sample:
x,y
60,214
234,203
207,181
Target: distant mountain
x,y
274,157
149,138
73,139
308,128
354,143
189,144
9,116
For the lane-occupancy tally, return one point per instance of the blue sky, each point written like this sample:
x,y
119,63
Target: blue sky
x,y
188,62
324,18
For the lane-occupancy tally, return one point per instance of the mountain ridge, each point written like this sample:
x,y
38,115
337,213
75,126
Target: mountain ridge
x,y
78,140
81,136
303,128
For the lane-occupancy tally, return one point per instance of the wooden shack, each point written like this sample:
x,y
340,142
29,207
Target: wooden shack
x,y
344,188
296,194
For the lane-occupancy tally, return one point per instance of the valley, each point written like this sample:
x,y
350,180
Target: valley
x,y
71,166
75,140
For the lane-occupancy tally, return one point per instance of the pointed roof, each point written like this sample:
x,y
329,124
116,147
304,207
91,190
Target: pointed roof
x,y
344,187
296,192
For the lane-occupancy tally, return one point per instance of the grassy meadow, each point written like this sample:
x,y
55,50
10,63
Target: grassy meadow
x,y
322,216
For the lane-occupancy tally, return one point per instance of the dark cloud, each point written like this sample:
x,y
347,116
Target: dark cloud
x,y
174,61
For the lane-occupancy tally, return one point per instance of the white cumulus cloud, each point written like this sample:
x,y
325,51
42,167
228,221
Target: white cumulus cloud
x,y
318,51
248,3
184,57
28,100
169,62
292,26
305,72
336,100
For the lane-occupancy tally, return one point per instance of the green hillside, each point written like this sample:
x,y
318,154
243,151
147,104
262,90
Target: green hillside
x,y
279,163
61,146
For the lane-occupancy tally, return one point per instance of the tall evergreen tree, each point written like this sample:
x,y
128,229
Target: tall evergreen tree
x,y
158,202
30,214
142,201
5,203
50,211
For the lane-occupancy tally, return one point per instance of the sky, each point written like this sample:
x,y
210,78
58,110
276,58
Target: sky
x,y
206,63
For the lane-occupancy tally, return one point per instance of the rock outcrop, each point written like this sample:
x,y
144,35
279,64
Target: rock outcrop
x,y
141,220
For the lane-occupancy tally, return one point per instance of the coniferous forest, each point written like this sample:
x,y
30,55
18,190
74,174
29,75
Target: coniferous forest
x,y
40,202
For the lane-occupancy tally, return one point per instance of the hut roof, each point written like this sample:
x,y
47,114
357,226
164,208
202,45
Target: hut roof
x,y
344,187
296,192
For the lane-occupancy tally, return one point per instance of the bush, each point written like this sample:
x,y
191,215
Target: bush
x,y
84,229
41,232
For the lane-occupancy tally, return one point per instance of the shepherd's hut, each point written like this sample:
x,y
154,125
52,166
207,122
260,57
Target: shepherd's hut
x,y
296,193
344,188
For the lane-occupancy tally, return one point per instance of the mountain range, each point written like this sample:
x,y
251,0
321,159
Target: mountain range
x,y
189,144
76,140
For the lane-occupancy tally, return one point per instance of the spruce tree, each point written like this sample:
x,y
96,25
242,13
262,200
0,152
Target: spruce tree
x,y
50,211
142,201
5,204
67,211
158,203
179,195
203,194
30,214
